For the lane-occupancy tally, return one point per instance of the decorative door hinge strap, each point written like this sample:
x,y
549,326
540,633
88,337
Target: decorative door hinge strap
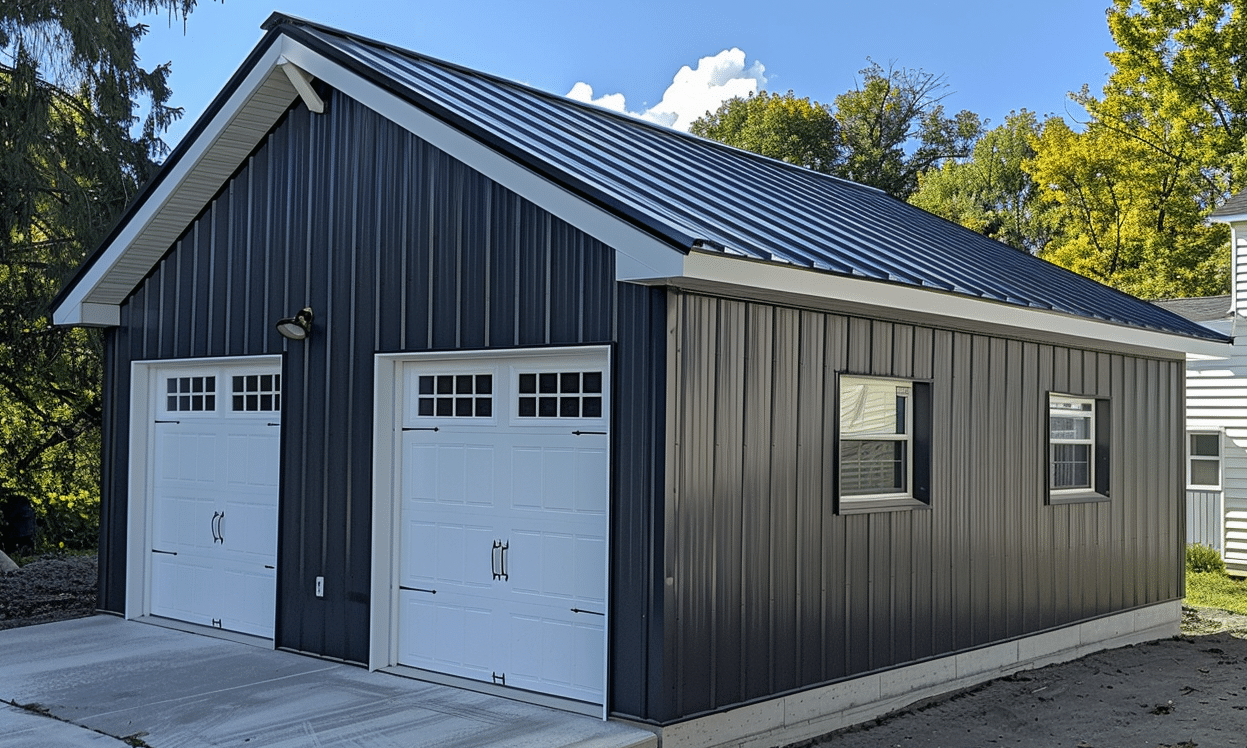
x,y
590,612
421,428
159,421
216,623
417,589
500,678
585,433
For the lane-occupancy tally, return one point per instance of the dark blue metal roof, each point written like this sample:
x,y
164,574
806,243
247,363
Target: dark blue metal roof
x,y
698,193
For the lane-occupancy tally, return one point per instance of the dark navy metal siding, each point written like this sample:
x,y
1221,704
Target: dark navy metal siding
x,y
769,590
396,247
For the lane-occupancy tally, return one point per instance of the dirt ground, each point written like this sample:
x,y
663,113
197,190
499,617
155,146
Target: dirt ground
x,y
1177,693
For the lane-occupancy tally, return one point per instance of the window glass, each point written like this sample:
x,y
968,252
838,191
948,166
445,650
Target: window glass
x,y
565,394
875,439
1204,465
1071,432
455,395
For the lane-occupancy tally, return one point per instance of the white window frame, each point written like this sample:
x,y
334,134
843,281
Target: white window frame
x,y
1089,441
849,380
1205,458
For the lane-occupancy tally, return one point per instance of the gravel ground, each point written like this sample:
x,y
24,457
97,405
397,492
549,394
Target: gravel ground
x,y
49,588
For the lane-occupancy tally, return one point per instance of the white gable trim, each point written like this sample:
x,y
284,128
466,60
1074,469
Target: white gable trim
x,y
248,116
728,272
226,140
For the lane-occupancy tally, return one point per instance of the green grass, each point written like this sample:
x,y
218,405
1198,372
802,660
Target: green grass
x,y
1216,590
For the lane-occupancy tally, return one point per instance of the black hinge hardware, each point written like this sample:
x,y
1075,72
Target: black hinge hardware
x,y
272,424
266,566
170,553
499,678
421,428
590,612
585,433
216,623
417,589
167,421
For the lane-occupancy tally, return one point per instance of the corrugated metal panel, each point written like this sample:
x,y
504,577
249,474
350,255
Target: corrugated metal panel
x,y
691,190
771,590
395,247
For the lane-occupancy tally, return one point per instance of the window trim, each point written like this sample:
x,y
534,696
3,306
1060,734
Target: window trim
x,y
1099,443
918,445
1219,459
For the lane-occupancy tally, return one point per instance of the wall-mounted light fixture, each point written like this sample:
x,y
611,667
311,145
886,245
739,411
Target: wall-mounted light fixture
x,y
298,326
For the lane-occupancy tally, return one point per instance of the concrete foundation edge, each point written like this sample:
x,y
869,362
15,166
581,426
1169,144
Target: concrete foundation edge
x,y
808,714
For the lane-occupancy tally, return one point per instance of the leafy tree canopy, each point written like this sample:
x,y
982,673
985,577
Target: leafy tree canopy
x,y
784,127
893,128
80,125
1163,147
883,133
991,191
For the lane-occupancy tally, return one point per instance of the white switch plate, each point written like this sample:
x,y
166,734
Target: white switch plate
x,y
320,586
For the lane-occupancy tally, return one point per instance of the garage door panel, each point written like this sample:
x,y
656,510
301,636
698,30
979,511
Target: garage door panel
x,y
437,554
253,460
248,599
534,482
447,633
554,654
186,456
214,476
183,587
563,565
182,522
451,474
247,528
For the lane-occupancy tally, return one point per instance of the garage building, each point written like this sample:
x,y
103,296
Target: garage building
x,y
590,412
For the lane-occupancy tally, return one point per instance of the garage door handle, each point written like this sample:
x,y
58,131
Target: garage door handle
x,y
498,560
218,536
220,528
215,538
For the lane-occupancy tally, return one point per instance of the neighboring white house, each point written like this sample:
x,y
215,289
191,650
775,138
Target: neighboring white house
x,y
1216,410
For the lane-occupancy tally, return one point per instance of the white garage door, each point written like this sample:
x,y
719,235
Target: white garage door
x,y
214,487
504,520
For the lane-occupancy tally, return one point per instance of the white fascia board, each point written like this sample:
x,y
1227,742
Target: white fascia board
x,y
1236,218
77,307
731,271
638,254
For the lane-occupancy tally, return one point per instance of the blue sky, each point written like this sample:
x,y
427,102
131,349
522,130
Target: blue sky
x,y
996,55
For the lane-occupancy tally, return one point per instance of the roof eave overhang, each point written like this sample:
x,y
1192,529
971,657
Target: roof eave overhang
x,y
1228,218
745,278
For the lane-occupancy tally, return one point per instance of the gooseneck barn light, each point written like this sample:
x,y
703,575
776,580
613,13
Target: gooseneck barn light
x,y
298,326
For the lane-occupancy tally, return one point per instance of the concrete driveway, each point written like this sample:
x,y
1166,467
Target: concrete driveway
x,y
93,681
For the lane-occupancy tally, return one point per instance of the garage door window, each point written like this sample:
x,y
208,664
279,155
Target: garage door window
x,y
456,395
257,393
560,394
190,394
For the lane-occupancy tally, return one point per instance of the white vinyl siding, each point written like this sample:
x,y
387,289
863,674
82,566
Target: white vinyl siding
x,y
1216,399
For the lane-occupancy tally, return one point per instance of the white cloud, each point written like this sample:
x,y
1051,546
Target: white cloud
x,y
693,91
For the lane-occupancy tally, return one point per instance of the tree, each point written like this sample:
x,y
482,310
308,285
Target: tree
x,y
1163,146
893,128
784,127
80,125
991,191
1126,218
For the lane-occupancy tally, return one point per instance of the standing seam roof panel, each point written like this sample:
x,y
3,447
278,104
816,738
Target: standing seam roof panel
x,y
741,203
